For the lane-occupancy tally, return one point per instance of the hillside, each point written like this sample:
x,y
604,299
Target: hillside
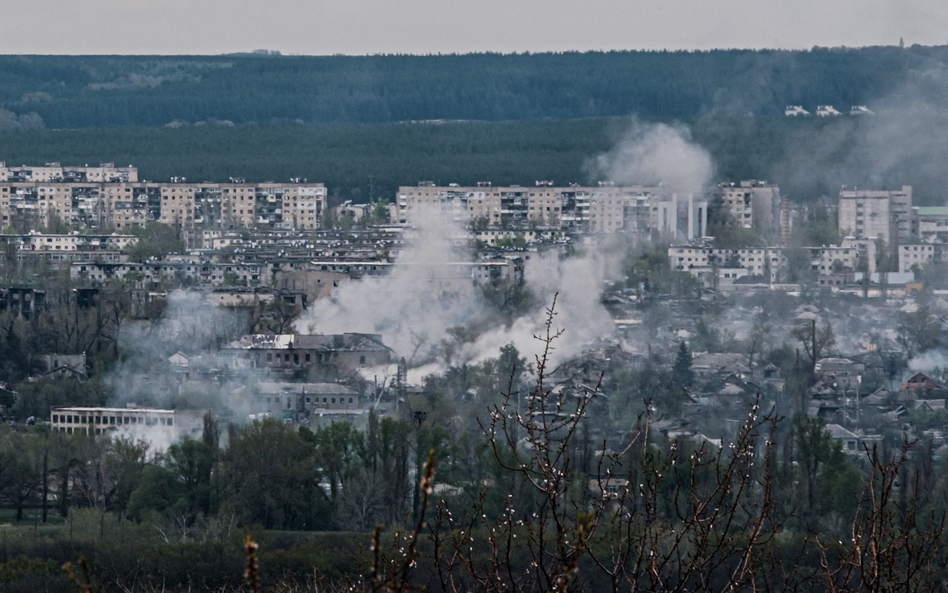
x,y
129,91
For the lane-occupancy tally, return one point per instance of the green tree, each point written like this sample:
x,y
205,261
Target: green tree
x,y
339,451
155,240
272,478
682,368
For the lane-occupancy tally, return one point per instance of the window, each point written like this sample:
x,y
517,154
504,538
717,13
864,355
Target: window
x,y
361,360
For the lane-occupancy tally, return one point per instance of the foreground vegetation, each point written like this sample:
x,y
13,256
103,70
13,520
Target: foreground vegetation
x,y
530,501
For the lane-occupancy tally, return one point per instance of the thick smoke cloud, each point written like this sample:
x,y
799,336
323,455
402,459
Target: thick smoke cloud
x,y
576,282
415,304
412,308
903,143
655,154
408,308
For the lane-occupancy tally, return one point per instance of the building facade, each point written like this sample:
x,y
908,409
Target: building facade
x,y
190,206
104,173
885,215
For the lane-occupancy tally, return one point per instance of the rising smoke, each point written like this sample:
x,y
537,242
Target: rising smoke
x,y
902,144
414,315
655,154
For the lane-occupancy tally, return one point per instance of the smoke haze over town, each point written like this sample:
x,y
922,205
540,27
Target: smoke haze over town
x,y
616,296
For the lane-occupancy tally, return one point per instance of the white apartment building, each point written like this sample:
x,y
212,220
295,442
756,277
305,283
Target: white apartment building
x,y
185,205
876,214
145,423
920,254
849,254
931,224
41,242
54,172
755,261
604,208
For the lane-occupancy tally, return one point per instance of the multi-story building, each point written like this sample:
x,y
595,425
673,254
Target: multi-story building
x,y
154,425
172,272
885,215
851,254
104,173
678,216
931,224
605,208
292,354
297,402
752,204
190,206
755,261
34,241
921,254
771,262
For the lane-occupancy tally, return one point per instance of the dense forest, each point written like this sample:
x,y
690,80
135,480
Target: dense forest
x,y
117,91
808,158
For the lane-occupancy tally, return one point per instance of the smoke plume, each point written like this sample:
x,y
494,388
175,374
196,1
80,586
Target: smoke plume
x,y
655,154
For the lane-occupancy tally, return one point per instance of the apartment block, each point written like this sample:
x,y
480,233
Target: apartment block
x,y
850,255
190,206
920,255
678,216
604,208
931,224
54,172
875,214
752,204
755,261
172,272
72,242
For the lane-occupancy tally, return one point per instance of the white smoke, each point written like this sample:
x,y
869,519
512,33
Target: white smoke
x,y
655,154
576,282
415,304
929,361
414,314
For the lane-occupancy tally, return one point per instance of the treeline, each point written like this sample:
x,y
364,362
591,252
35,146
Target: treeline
x,y
117,91
780,504
808,158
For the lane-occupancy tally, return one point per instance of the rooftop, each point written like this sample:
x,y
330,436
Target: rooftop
x,y
933,210
115,410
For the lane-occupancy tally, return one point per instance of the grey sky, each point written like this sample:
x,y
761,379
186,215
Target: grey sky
x,y
428,26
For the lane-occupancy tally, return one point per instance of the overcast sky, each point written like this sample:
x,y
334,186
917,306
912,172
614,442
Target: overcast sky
x,y
431,26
